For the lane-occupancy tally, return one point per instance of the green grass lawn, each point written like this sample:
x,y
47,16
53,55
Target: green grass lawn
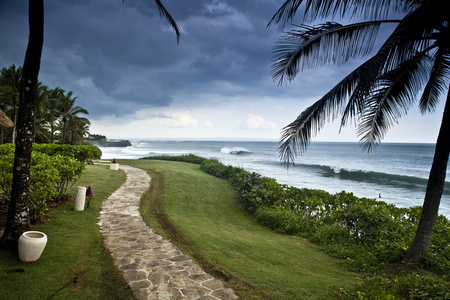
x,y
74,264
200,214
197,212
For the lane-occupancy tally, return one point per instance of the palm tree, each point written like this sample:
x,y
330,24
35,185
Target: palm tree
x,y
10,81
413,61
78,129
18,219
69,112
54,98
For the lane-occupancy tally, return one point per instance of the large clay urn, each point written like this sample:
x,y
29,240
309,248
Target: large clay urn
x,y
31,245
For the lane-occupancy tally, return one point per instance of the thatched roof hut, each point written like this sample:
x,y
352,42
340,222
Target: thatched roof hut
x,y
5,121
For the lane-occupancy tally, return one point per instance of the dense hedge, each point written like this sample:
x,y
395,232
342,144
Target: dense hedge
x,y
82,153
367,234
51,173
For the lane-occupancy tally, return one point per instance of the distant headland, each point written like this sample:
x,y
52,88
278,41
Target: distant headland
x,y
101,141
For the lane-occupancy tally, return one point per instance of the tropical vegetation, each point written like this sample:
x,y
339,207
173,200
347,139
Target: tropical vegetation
x,y
18,214
413,64
54,170
57,118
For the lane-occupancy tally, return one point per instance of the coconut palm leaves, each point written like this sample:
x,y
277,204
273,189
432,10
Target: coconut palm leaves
x,y
412,64
55,112
164,13
382,89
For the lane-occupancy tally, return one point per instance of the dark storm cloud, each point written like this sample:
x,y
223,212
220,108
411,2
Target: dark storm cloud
x,y
109,52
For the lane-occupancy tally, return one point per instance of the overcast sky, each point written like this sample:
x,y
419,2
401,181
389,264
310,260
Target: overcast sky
x,y
123,63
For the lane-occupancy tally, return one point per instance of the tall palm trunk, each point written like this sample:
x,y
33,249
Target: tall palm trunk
x,y
436,181
18,219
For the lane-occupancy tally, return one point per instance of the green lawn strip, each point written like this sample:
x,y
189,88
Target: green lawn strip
x,y
207,223
74,264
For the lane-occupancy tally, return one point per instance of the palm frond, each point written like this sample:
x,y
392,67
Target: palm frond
x,y
369,9
366,76
297,135
320,9
164,13
395,93
329,43
437,84
286,12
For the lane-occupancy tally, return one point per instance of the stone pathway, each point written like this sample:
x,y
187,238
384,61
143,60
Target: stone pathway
x,y
153,267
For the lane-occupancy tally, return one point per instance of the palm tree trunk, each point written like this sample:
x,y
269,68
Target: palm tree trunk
x,y
436,181
18,219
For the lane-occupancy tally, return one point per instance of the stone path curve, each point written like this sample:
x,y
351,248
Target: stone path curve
x,y
153,267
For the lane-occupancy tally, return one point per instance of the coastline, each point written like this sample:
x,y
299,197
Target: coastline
x,y
397,171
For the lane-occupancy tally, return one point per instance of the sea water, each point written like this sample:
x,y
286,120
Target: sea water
x,y
394,173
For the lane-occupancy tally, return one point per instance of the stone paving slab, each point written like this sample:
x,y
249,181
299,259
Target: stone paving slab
x,y
153,267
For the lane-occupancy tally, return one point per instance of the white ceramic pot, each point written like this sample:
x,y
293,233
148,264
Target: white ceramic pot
x,y
114,166
80,198
31,245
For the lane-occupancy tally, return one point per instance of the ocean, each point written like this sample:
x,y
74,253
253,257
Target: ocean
x,y
394,172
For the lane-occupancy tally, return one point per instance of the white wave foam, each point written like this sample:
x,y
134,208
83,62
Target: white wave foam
x,y
234,150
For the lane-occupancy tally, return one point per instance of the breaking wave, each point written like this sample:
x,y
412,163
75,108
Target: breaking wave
x,y
379,178
235,150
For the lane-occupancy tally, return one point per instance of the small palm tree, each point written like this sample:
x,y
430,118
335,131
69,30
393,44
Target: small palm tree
x,y
52,104
79,130
412,64
68,112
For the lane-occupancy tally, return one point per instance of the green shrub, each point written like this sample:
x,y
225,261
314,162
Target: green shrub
x,y
279,219
6,177
50,179
42,176
69,171
401,286
82,153
189,158
6,149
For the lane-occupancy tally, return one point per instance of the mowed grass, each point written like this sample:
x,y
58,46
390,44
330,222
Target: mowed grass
x,y
201,215
74,264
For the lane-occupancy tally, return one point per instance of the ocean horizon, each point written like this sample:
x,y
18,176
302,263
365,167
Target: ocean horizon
x,y
396,173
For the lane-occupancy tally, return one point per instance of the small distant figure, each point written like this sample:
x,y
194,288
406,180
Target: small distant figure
x,y
379,195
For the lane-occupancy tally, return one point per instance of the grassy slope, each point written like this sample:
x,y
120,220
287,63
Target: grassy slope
x,y
74,264
201,215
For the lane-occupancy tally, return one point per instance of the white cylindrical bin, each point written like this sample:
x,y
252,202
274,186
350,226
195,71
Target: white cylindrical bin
x,y
80,198
31,245
114,166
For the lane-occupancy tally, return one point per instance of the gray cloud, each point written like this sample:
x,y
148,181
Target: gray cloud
x,y
120,58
